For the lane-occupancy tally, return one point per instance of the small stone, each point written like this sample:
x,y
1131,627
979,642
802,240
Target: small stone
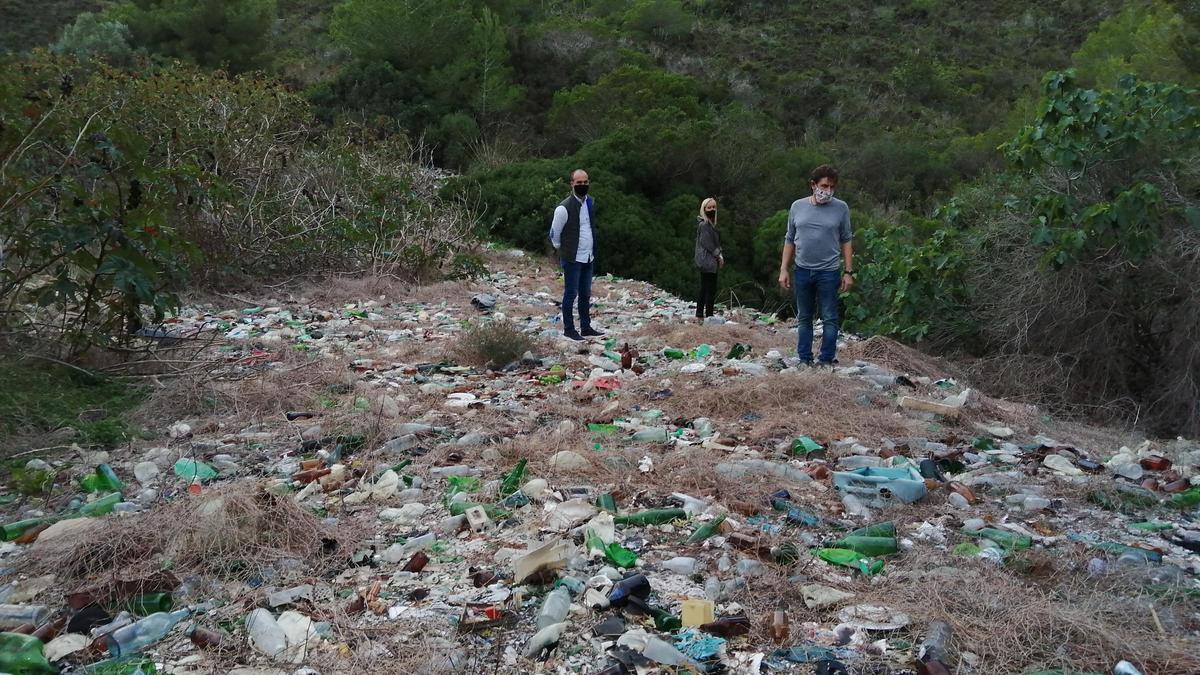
x,y
65,644
1062,465
569,460
145,472
312,433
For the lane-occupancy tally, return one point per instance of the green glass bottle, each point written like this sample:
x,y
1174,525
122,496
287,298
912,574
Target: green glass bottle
x,y
873,546
607,502
15,529
706,530
103,479
22,655
101,506
651,517
666,621
1009,540
672,353
512,482
1186,499
149,603
884,529
852,559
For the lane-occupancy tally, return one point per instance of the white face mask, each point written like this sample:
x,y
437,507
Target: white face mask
x,y
821,195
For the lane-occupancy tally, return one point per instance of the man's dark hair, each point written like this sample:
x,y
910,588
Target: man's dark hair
x,y
824,171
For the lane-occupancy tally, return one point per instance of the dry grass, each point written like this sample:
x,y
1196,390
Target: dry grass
x,y
234,532
688,334
895,356
1056,618
820,405
494,344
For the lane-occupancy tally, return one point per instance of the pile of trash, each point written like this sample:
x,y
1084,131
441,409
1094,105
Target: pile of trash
x,y
553,515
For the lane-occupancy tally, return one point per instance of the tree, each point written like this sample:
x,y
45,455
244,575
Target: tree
x,y
231,34
92,36
409,34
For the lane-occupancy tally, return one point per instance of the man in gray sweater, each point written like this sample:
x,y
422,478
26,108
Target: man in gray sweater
x,y
820,239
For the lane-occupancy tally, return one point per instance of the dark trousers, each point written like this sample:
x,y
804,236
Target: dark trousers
x,y
708,294
577,284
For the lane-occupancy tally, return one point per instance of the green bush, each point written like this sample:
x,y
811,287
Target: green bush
x,y
231,34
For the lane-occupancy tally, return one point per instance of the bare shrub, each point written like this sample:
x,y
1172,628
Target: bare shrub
x,y
493,344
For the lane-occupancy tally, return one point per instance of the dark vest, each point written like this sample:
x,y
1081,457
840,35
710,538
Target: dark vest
x,y
569,239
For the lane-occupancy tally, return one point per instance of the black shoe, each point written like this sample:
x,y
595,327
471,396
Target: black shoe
x,y
591,332
572,335
827,364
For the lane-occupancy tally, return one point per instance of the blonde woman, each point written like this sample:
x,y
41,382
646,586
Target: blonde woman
x,y
708,256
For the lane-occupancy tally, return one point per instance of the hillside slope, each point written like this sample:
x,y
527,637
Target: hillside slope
x,y
394,424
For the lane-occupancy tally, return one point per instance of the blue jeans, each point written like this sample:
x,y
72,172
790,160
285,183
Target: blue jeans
x,y
821,287
577,278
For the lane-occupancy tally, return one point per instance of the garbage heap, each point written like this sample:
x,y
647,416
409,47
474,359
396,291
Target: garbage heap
x,y
344,495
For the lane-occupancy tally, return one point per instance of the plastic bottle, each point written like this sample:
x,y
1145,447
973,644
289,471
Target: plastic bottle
x,y
12,616
681,565
145,632
554,608
266,636
651,435
22,655
544,639
512,482
706,530
192,470
651,517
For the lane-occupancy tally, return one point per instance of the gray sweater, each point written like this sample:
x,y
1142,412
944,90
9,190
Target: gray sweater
x,y
818,231
708,246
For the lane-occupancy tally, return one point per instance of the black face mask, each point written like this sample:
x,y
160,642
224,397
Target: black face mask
x,y
712,215
581,190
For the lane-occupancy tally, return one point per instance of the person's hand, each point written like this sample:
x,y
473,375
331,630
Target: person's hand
x,y
847,283
785,279
720,261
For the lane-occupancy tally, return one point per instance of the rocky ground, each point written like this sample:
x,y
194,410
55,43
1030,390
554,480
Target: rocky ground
x,y
334,484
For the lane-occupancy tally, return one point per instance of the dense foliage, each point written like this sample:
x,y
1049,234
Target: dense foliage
x,y
952,156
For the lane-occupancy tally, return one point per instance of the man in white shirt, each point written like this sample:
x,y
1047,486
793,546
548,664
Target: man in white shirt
x,y
573,233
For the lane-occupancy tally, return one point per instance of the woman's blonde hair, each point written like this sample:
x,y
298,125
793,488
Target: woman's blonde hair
x,y
704,205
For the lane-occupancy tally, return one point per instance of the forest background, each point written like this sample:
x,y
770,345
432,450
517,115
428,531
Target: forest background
x,y
1024,177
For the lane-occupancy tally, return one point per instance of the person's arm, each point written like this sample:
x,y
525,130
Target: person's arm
x,y
789,249
847,265
556,226
847,237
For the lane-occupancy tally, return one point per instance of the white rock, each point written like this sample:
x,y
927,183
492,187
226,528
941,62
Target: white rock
x,y
409,514
1062,465
145,472
65,644
569,460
